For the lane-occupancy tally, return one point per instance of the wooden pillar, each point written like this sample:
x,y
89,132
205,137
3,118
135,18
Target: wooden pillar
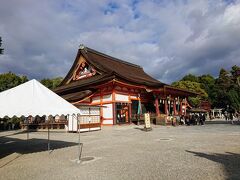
x,y
174,108
130,112
101,104
157,106
114,113
166,107
185,103
114,105
129,106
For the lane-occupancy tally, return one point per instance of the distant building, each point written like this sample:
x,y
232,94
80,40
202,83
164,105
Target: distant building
x,y
120,87
206,105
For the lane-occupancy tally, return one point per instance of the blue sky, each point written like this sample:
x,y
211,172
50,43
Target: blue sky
x,y
167,38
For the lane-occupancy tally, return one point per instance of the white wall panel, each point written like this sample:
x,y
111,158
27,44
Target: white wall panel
x,y
121,97
107,111
107,122
72,123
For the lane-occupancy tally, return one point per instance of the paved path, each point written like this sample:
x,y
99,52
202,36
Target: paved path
x,y
125,152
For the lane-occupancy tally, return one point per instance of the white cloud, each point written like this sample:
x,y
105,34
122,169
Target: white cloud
x,y
167,38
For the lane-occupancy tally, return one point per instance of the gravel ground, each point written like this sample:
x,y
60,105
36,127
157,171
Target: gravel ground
x,y
125,152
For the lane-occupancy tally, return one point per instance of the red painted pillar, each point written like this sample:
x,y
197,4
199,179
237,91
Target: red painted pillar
x,y
157,107
180,108
174,108
185,111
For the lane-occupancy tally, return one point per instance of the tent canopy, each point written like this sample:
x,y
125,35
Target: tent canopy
x,y
32,98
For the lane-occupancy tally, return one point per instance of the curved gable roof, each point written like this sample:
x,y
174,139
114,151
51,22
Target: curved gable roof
x,y
110,65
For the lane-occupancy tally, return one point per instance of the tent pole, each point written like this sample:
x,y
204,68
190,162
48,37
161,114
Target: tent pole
x,y
79,144
27,129
89,112
48,139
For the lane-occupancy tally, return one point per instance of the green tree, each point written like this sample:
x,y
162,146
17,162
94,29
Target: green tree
x,y
221,92
195,87
228,92
208,84
190,77
235,70
51,83
236,74
10,80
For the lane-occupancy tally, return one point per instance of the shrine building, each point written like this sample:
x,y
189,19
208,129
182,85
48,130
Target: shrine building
x,y
120,88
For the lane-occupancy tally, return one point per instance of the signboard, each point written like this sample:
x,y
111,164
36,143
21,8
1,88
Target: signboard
x,y
147,120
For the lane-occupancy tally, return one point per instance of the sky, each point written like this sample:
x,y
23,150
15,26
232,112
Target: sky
x,y
169,39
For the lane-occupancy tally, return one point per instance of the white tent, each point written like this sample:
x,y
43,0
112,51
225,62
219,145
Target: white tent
x,y
32,98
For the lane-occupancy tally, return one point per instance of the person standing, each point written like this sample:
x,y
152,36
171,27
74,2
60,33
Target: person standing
x,y
200,119
204,118
231,117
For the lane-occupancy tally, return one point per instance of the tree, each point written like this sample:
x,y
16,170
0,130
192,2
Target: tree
x,y
47,83
208,84
10,80
222,92
236,74
235,71
228,92
195,87
51,83
190,77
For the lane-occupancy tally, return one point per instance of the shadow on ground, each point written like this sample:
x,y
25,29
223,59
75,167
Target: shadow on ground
x,y
10,145
139,128
19,131
230,161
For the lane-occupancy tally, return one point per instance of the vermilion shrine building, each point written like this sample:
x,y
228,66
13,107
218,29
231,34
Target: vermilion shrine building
x,y
118,87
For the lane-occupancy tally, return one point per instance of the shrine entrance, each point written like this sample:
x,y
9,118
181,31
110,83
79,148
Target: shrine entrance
x,y
122,113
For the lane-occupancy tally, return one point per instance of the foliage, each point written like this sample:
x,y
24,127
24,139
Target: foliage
x,y
10,80
190,77
208,84
51,83
222,92
194,101
195,87
228,92
192,86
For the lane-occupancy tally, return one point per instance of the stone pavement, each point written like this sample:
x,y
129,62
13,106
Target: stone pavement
x,y
125,152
